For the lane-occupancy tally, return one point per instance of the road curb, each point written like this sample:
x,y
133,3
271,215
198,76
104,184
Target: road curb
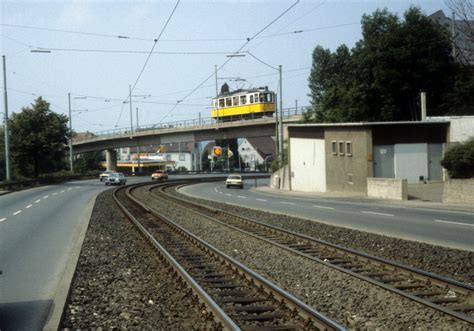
x,y
62,292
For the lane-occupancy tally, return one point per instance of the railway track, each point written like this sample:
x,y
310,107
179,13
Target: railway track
x,y
446,295
229,293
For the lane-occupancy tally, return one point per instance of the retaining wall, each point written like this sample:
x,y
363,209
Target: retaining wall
x,y
280,179
387,188
459,191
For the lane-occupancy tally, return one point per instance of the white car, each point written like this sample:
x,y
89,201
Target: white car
x,y
116,178
234,180
103,176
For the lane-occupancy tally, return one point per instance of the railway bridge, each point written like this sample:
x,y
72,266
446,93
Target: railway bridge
x,y
179,132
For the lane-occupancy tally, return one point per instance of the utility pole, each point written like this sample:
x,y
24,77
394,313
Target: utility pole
x,y
138,147
217,98
71,166
280,141
453,36
131,114
7,136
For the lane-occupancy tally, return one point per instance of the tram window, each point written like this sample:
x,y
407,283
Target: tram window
x,y
243,99
261,97
228,102
221,103
251,98
256,97
268,97
235,101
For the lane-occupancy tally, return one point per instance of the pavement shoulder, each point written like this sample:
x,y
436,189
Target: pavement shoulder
x,y
62,292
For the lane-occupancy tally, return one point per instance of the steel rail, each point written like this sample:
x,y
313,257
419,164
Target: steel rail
x,y
306,312
422,276
219,315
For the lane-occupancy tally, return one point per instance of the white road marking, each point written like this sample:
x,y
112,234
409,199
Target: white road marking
x,y
221,192
46,197
17,212
3,219
69,189
29,206
287,203
62,191
375,213
228,194
261,200
215,189
55,193
322,207
450,222
37,200
242,197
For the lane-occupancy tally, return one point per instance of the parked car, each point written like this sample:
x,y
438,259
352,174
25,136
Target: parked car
x,y
234,180
103,176
159,175
116,178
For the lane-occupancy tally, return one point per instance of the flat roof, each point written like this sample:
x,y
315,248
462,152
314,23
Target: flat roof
x,y
368,124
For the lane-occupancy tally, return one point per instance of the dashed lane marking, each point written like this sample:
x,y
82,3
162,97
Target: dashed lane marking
x,y
451,222
228,194
46,197
2,219
261,200
17,212
69,189
287,203
55,193
29,206
37,201
62,191
241,196
375,213
322,207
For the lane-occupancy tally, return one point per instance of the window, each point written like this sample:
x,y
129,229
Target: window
x,y
334,147
349,179
168,157
349,148
261,98
182,157
228,102
341,148
251,98
221,103
235,101
243,99
268,97
256,97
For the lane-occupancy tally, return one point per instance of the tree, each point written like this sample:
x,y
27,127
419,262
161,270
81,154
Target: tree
x,y
459,160
38,139
88,161
381,78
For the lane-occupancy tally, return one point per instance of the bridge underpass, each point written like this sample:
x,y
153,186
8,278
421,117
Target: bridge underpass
x,y
262,127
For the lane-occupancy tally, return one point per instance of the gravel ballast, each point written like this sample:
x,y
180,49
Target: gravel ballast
x,y
452,263
120,283
349,301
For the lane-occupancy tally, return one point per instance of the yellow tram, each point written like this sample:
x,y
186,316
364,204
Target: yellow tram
x,y
251,103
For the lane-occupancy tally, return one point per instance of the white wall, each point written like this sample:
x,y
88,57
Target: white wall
x,y
461,127
308,164
411,161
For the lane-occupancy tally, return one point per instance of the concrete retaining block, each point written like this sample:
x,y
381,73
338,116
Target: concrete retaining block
x,y
387,188
459,191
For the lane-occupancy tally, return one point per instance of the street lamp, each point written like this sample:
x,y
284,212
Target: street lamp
x,y
278,122
71,164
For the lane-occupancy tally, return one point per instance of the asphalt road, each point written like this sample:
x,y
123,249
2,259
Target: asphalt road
x,y
38,228
438,227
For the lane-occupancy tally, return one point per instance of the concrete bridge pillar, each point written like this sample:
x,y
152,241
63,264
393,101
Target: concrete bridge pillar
x,y
111,159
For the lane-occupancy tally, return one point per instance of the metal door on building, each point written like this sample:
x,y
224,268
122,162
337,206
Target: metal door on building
x,y
435,154
384,161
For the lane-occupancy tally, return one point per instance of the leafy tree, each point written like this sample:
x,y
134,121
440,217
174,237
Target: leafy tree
x,y
38,139
381,78
459,160
88,161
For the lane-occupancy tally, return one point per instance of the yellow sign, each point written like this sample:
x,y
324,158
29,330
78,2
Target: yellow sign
x,y
217,151
229,153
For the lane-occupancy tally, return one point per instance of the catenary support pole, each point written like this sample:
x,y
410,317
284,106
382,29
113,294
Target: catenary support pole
x,y
71,164
7,136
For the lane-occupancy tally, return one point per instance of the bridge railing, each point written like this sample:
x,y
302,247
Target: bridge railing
x,y
190,123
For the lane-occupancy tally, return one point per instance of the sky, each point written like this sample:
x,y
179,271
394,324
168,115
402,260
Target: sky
x,y
99,48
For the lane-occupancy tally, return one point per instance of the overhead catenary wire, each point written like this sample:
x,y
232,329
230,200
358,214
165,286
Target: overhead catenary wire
x,y
149,56
229,59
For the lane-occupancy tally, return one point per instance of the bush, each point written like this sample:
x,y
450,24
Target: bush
x,y
459,160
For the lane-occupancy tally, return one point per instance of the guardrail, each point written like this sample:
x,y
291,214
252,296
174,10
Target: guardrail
x,y
190,123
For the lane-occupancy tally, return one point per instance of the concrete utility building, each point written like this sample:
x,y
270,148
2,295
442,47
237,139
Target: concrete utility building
x,y
341,157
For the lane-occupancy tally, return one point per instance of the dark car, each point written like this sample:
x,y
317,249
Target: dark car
x,y
116,178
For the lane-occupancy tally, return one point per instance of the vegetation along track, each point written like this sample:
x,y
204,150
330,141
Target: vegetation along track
x,y
446,295
234,296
